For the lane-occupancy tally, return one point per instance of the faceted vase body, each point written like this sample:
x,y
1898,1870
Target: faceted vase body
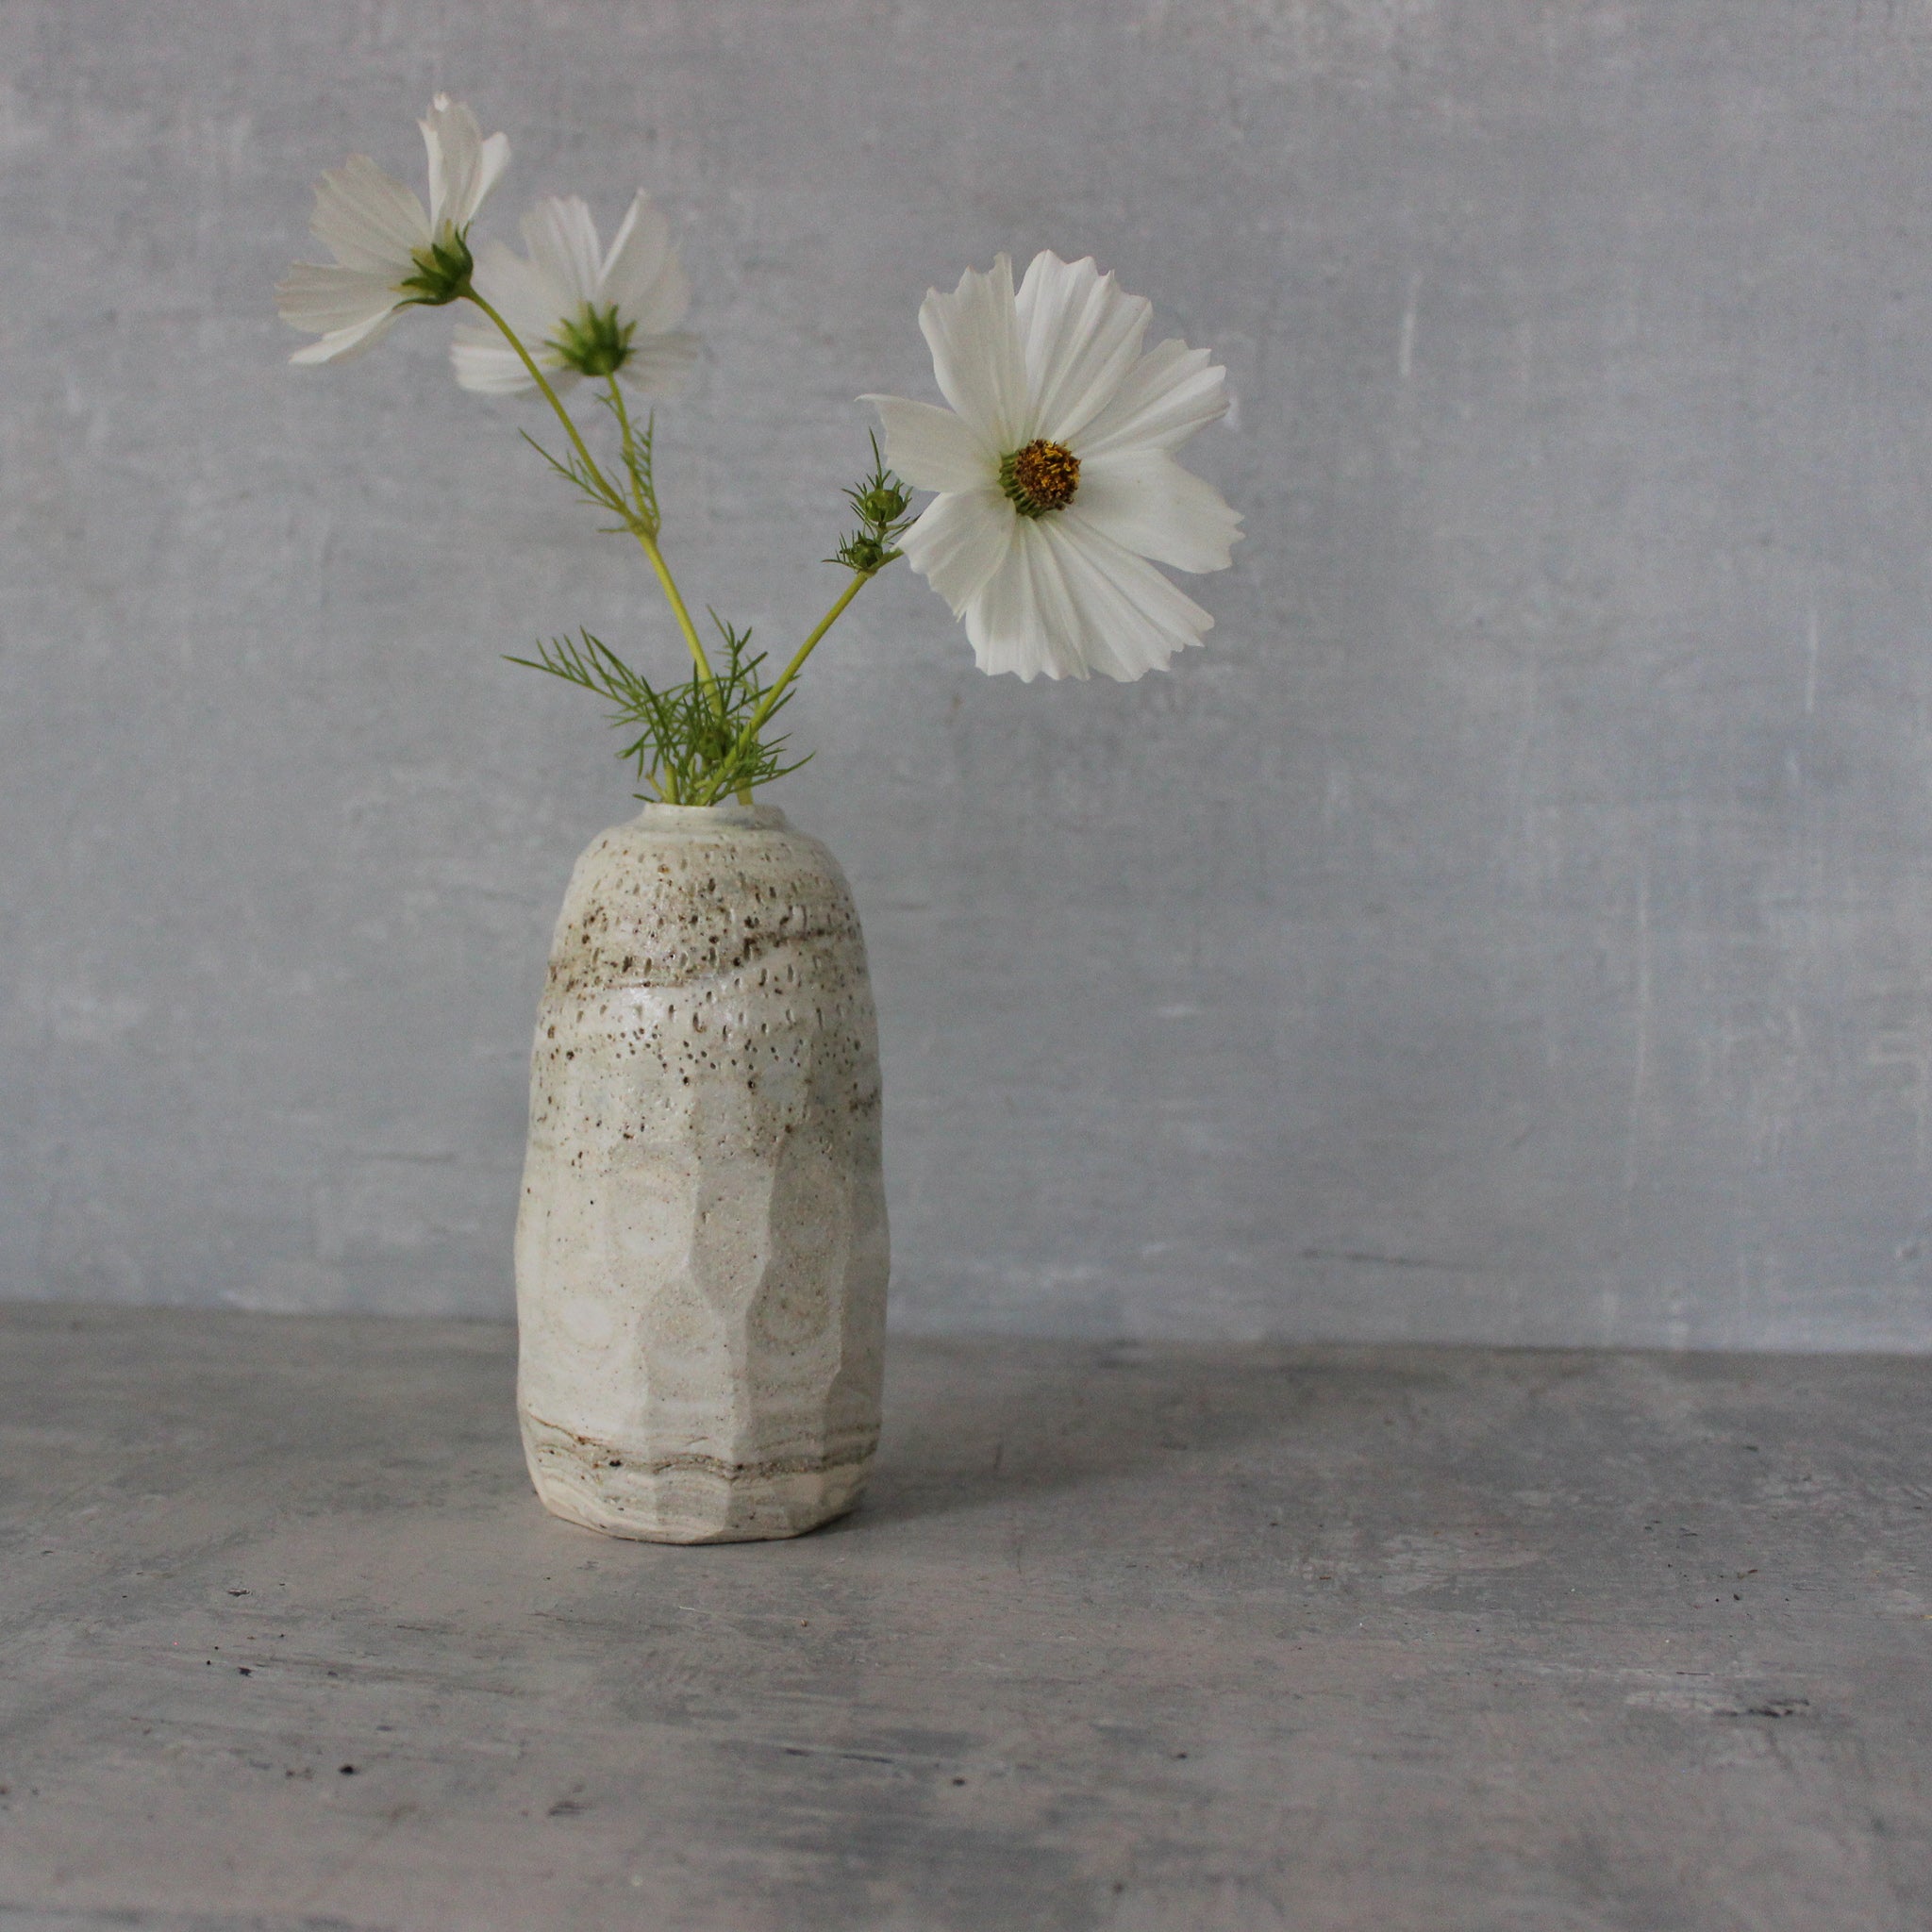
x,y
701,1250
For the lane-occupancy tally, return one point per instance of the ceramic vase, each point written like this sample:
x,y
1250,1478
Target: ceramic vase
x,y
700,1251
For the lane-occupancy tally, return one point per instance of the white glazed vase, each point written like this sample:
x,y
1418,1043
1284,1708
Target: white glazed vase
x,y
701,1250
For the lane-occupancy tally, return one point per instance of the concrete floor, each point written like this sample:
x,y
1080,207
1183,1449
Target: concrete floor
x,y
1124,1638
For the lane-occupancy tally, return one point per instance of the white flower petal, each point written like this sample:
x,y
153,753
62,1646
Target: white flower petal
x,y
1130,619
344,344
639,251
959,540
539,293
463,167
1146,502
1023,619
663,304
1170,392
1066,602
368,219
642,279
932,448
1003,621
493,159
562,240
531,301
491,369
1082,334
661,365
322,297
977,357
1073,638
482,360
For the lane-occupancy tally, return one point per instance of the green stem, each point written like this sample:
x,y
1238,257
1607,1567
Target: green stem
x,y
550,396
749,735
633,520
643,528
630,438
647,539
673,597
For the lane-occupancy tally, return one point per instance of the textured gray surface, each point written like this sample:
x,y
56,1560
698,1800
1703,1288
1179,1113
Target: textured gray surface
x,y
1539,941
1143,1639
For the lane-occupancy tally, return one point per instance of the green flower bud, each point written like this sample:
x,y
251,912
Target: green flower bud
x,y
883,504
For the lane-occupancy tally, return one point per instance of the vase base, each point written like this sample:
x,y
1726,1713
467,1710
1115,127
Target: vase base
x,y
684,1499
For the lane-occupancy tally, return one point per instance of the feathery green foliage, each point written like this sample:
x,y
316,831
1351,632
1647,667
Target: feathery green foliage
x,y
697,741
637,512
704,739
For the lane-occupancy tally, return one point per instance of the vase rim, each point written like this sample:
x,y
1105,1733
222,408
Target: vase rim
x,y
756,818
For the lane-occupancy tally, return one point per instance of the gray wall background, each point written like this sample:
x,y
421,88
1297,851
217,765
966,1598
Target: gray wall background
x,y
1513,925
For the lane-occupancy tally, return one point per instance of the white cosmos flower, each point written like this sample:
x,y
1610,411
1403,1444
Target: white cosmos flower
x,y
1057,493
579,310
389,254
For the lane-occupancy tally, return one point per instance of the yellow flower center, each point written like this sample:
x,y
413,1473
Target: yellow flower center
x,y
1041,477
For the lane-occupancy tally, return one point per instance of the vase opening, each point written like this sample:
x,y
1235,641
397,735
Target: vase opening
x,y
746,818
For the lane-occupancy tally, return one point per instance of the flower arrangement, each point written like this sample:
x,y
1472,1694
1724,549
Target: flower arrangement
x,y
1055,489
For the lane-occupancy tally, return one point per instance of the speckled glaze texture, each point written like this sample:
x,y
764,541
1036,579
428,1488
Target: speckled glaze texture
x,y
701,1248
